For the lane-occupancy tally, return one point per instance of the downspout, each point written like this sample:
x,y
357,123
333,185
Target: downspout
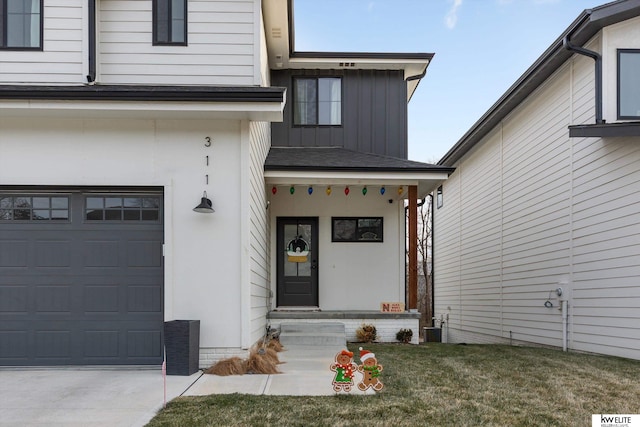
x,y
91,76
598,72
433,271
417,76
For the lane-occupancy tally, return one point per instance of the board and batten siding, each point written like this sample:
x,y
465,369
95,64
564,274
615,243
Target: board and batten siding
x,y
61,59
530,209
374,113
259,264
222,42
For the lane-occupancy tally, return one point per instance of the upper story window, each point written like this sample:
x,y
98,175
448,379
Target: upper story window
x,y
21,24
629,83
170,22
317,101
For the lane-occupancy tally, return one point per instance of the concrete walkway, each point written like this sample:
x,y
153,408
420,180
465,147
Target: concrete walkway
x,y
305,373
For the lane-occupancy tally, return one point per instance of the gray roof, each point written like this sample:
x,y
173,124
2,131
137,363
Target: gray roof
x,y
587,25
340,159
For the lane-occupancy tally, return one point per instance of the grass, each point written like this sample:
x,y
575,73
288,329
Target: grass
x,y
440,384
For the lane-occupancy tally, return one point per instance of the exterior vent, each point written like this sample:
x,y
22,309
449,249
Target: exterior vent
x,y
276,33
347,64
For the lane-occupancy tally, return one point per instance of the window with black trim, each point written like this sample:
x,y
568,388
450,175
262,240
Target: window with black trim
x,y
628,83
122,208
170,22
33,208
439,197
356,229
317,101
21,24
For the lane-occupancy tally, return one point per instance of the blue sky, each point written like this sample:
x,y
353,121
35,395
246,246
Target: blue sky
x,y
481,48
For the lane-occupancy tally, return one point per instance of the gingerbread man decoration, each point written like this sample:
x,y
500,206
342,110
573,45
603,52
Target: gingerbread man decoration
x,y
344,369
370,371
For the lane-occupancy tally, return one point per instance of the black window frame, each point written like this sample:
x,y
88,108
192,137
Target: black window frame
x,y
295,97
4,29
168,4
357,232
619,85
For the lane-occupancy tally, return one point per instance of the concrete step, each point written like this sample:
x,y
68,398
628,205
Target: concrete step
x,y
313,334
326,327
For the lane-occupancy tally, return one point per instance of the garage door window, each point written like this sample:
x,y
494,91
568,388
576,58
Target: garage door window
x,y
122,208
33,208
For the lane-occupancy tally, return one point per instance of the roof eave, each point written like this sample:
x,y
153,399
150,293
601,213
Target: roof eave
x,y
143,93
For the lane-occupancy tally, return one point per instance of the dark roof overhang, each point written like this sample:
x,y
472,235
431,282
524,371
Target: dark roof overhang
x,y
605,130
586,25
339,166
342,160
144,93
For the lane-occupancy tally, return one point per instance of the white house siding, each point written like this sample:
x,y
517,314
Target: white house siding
x,y
202,266
259,231
222,42
446,241
61,60
559,211
536,212
606,292
480,223
354,275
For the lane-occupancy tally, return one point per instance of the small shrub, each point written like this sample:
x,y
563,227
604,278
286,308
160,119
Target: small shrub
x,y
404,335
366,333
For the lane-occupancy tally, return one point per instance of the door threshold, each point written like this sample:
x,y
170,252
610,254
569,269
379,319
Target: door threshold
x,y
294,308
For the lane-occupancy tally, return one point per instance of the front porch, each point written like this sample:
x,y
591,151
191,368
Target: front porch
x,y
387,324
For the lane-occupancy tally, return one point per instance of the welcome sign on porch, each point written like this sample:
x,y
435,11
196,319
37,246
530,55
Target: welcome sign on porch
x,y
392,307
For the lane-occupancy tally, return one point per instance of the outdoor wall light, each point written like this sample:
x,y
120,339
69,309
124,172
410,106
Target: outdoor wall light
x,y
205,205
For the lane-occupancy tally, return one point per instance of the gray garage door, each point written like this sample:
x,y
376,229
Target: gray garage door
x,y
81,278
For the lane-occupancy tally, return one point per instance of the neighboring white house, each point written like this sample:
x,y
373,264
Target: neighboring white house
x,y
117,116
537,232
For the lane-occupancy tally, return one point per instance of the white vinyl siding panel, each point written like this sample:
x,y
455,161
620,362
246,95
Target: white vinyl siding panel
x,y
61,59
259,264
480,226
221,45
606,245
446,243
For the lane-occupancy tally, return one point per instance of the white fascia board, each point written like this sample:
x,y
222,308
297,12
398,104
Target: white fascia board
x,y
258,111
415,66
352,178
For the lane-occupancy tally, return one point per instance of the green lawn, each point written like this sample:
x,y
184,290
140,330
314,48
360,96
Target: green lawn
x,y
443,385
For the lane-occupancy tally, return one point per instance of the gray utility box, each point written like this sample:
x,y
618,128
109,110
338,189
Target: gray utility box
x,y
432,334
182,343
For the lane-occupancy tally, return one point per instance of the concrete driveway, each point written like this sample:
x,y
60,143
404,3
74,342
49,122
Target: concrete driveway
x,y
85,396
